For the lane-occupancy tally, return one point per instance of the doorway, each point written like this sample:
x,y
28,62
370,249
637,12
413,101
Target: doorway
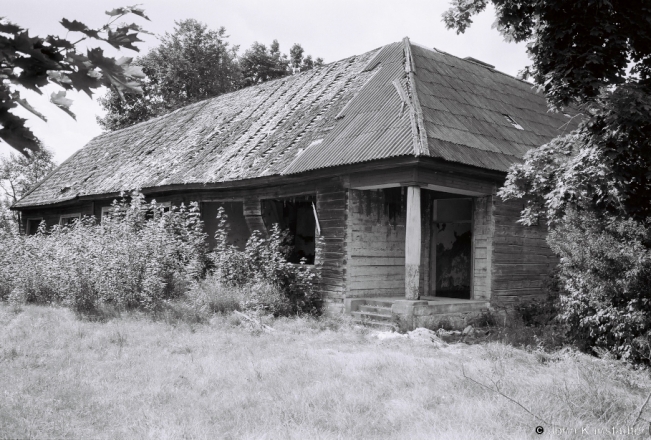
x,y
451,248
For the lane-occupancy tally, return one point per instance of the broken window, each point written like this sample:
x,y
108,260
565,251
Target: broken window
x,y
298,216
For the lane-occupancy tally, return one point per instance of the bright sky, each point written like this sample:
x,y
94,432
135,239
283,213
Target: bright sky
x,y
332,29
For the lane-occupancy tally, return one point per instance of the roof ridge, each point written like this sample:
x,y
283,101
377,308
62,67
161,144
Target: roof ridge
x,y
419,134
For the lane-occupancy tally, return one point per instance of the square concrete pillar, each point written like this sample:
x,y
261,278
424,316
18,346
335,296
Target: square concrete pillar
x,y
412,244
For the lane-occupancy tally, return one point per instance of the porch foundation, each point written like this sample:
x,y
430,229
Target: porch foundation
x,y
431,313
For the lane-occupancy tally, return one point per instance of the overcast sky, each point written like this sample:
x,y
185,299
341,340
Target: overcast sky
x,y
332,29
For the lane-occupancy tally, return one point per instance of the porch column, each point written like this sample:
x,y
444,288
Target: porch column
x,y
412,244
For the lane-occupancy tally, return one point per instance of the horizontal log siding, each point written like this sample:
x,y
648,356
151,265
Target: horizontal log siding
x,y
375,245
330,249
52,216
521,259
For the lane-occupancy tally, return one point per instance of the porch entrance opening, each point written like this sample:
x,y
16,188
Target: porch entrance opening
x,y
451,248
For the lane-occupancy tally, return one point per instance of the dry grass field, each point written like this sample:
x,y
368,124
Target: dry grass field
x,y
132,377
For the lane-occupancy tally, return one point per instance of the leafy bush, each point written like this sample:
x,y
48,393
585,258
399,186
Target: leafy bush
x,y
136,258
273,283
605,272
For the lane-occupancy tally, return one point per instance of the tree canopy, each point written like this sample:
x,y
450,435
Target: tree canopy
x,y
190,64
594,184
18,174
259,64
195,63
577,48
595,55
33,62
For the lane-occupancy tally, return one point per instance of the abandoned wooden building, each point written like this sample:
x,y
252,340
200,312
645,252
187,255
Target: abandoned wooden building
x,y
384,166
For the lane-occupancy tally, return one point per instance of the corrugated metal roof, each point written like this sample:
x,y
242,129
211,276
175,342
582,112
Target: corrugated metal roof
x,y
346,112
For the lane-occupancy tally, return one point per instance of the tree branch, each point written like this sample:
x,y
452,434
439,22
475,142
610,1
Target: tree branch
x,y
463,370
639,412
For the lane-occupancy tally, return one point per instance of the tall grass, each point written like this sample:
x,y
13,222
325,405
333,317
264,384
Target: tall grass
x,y
310,378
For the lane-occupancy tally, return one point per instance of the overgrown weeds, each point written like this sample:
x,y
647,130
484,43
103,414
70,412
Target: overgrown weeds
x,y
138,257
142,258
265,279
531,325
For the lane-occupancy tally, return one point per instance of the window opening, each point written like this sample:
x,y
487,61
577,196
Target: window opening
x,y
31,227
298,215
106,210
68,219
166,207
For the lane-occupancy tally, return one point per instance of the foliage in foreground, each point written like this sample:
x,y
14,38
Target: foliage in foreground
x,y
263,262
127,261
605,273
31,62
140,257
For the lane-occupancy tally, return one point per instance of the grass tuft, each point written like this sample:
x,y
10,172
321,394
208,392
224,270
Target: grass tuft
x,y
131,377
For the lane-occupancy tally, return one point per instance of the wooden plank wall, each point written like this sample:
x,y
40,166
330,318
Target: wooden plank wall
x,y
521,258
376,245
52,216
330,249
482,246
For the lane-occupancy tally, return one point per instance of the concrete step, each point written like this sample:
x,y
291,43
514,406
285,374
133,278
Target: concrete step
x,y
371,316
458,307
380,310
379,303
380,325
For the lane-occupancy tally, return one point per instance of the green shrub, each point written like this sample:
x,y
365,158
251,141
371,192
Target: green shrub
x,y
137,257
262,267
605,274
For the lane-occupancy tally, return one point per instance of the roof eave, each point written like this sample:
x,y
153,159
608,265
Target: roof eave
x,y
432,163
